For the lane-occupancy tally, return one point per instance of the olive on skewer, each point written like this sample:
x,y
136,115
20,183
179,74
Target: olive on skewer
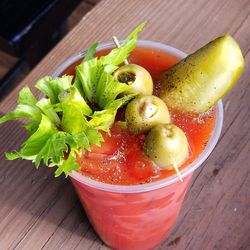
x,y
136,77
167,146
145,112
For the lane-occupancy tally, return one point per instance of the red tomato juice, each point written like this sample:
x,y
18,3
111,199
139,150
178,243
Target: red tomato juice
x,y
139,220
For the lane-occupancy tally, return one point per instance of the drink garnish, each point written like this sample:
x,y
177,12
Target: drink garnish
x,y
198,81
70,118
63,123
116,42
167,146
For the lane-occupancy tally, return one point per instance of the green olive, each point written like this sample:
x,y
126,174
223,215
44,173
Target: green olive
x,y
167,146
144,112
137,77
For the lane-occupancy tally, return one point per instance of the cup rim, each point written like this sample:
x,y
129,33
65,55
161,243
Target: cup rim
x,y
166,181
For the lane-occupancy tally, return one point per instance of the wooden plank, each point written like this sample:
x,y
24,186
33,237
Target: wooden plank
x,y
81,10
6,62
38,211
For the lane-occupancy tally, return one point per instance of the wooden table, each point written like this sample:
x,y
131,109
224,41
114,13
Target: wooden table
x,y
38,211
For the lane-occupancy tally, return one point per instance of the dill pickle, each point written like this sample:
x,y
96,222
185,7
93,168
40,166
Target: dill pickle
x,y
197,82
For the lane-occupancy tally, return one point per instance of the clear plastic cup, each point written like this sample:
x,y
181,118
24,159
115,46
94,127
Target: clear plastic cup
x,y
137,216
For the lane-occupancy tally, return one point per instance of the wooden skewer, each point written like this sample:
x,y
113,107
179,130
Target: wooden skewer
x,y
177,172
116,42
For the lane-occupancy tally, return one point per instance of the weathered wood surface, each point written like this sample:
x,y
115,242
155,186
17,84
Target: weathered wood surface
x,y
40,212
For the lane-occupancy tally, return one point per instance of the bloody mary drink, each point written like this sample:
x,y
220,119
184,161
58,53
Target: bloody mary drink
x,y
129,123
130,201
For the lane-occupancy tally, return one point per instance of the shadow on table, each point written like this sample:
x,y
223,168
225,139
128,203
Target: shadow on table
x,y
34,198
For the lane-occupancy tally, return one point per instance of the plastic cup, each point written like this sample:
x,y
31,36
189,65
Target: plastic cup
x,y
137,216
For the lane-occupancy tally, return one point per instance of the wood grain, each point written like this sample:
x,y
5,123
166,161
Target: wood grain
x,y
6,62
40,212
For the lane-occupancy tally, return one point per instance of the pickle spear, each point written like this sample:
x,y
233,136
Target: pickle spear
x,y
198,81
